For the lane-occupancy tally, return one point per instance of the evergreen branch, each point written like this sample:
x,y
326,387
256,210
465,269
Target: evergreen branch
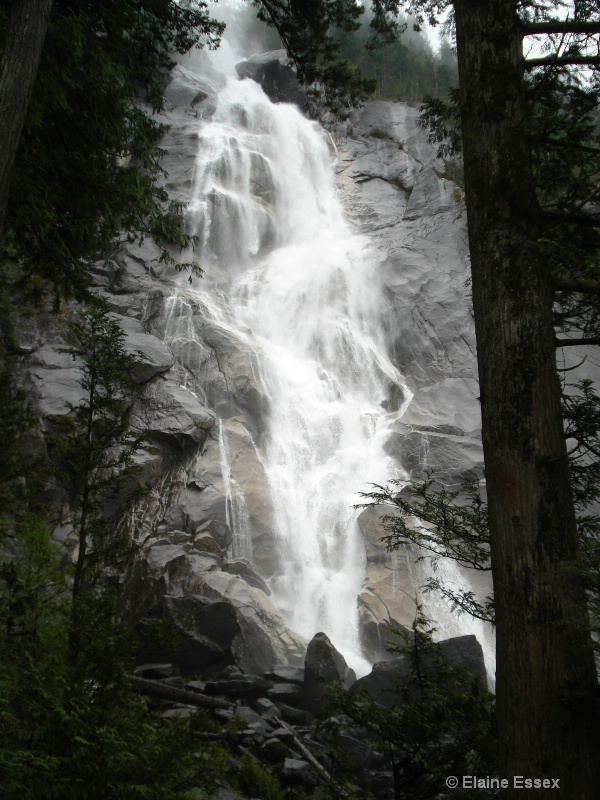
x,y
562,61
584,148
591,340
585,220
563,283
559,26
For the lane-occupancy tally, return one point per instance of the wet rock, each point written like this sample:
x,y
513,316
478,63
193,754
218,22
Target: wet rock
x,y
242,568
294,716
378,631
278,80
249,687
266,708
152,355
173,415
196,686
205,543
53,380
179,713
247,715
220,532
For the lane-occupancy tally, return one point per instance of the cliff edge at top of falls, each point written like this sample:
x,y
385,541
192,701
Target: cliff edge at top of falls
x,y
202,406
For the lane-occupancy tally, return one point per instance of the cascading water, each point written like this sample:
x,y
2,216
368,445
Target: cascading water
x,y
306,287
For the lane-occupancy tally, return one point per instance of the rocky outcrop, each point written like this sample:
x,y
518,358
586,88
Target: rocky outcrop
x,y
269,722
277,78
390,682
207,530
323,666
394,189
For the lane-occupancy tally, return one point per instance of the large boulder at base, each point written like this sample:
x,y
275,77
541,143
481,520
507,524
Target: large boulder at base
x,y
464,653
277,79
218,617
323,665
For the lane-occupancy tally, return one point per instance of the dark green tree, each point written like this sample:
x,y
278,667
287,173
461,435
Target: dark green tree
x,y
434,726
88,162
92,450
71,724
25,26
526,236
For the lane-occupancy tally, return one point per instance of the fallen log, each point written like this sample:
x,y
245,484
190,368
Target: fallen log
x,y
166,692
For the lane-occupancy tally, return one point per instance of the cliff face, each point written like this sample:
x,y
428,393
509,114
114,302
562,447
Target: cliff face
x,y
209,533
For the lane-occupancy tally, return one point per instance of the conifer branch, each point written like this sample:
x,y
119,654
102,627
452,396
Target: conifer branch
x,y
590,340
559,26
563,283
562,61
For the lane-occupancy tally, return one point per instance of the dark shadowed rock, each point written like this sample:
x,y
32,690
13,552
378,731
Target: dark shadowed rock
x,y
286,674
323,665
297,772
242,568
278,80
288,693
464,653
154,670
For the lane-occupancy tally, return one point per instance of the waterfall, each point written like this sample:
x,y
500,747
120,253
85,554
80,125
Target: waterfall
x,y
303,290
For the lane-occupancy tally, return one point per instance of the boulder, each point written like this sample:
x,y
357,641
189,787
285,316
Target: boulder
x,y
464,653
220,619
242,568
297,772
173,415
288,693
323,665
278,80
152,355
286,674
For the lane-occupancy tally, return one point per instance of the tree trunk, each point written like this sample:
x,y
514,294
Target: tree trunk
x,y
546,678
18,69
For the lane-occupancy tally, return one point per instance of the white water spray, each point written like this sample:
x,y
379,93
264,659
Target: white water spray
x,y
306,287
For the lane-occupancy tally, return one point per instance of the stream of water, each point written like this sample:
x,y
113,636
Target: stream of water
x,y
304,291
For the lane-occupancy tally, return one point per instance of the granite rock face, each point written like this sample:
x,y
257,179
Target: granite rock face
x,y
207,530
394,189
278,80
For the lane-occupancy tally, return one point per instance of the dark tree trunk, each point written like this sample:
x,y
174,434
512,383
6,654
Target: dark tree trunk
x,y
545,669
18,70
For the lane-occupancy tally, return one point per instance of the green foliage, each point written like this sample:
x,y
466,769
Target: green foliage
x,y
70,724
401,64
15,466
92,450
306,31
441,117
434,727
254,781
442,523
88,161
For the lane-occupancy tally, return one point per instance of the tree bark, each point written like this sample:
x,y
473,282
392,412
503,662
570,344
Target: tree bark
x,y
18,69
546,677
